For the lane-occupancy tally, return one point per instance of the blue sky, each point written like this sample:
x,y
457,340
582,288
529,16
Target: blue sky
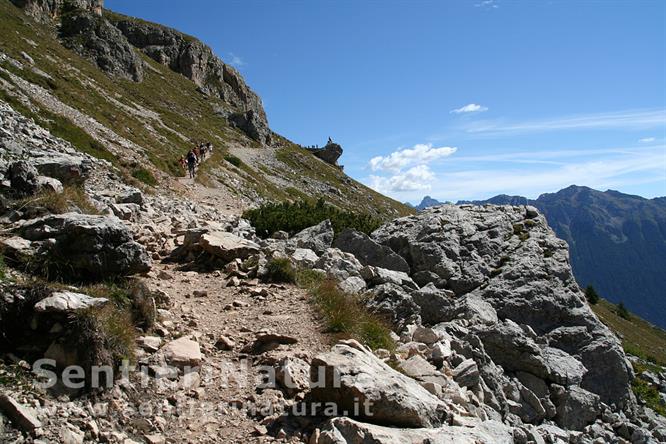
x,y
458,99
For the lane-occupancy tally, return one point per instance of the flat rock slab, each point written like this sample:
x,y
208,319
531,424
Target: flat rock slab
x,y
227,246
354,376
67,301
348,431
268,341
20,416
183,352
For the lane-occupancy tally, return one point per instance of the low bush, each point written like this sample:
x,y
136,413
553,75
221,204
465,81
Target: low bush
x,y
280,271
144,176
294,217
235,161
3,268
346,315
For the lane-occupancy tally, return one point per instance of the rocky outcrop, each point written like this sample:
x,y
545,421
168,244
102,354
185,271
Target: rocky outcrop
x,y
79,246
95,38
47,10
501,286
317,238
196,61
330,153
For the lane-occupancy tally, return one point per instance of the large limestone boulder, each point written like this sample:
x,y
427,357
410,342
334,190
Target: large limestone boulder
x,y
227,246
67,169
369,252
182,352
81,246
355,376
317,238
349,431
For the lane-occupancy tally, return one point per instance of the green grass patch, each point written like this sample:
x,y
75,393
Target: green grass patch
x,y
294,217
144,176
649,395
280,270
3,268
346,315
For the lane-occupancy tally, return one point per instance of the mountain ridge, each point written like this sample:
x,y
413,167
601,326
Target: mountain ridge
x,y
616,240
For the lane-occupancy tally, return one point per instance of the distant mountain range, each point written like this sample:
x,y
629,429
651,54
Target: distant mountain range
x,y
617,242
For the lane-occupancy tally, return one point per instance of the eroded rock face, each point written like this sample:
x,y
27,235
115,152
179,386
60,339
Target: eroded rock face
x,y
96,38
369,252
502,286
81,246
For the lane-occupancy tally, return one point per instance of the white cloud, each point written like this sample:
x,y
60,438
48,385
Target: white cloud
x,y
647,139
235,60
417,178
417,155
637,119
470,108
487,4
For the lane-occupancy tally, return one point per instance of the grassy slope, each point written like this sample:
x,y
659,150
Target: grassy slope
x,y
186,112
640,338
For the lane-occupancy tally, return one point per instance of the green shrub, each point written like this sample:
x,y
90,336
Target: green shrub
x,y
235,161
3,268
591,295
144,176
294,217
346,314
280,270
622,311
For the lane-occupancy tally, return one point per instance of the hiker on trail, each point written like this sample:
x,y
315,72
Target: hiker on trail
x,y
197,153
183,163
209,148
191,163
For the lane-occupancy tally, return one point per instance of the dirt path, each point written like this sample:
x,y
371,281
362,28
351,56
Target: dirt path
x,y
205,308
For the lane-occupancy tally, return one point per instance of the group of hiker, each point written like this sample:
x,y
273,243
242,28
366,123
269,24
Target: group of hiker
x,y
195,156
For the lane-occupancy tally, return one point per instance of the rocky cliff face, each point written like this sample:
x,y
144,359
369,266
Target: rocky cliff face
x,y
47,10
197,62
109,39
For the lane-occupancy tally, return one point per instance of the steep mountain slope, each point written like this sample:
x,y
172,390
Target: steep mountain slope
x,y
174,92
617,242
